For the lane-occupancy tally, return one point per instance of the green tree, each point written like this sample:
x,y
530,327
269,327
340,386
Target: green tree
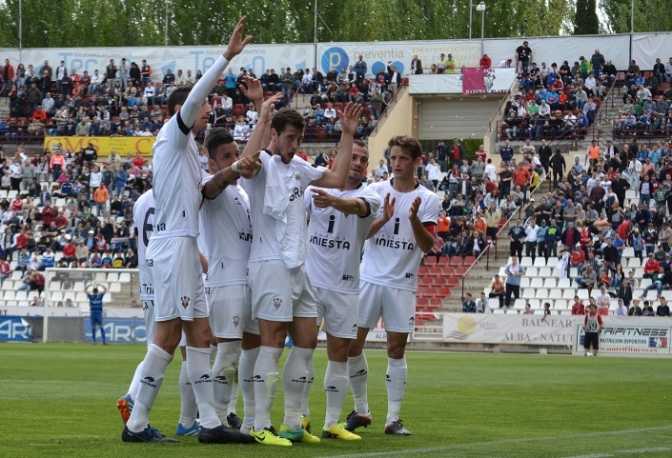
x,y
586,21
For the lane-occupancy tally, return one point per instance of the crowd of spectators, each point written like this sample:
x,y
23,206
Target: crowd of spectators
x,y
68,210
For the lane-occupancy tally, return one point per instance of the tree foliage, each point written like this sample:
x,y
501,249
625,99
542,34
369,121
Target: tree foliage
x,y
66,23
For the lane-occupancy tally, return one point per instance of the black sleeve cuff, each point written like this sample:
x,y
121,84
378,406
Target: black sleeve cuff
x,y
368,207
180,123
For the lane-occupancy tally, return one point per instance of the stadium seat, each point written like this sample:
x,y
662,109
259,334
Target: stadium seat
x,y
112,277
81,297
107,299
424,270
429,261
453,281
549,283
526,262
115,287
456,261
564,283
425,281
461,271
21,295
545,272
628,252
639,272
540,262
469,260
582,293
444,292
9,295
16,275
568,293
536,282
634,263
124,277
531,272
435,302
69,295
421,302
55,297
555,294
529,293
552,262
560,304
645,282
8,285
78,286
444,260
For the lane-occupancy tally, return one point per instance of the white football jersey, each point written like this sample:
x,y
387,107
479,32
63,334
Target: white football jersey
x,y
299,174
392,256
336,240
143,217
228,234
177,167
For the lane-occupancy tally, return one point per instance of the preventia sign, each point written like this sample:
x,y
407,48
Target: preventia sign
x,y
630,336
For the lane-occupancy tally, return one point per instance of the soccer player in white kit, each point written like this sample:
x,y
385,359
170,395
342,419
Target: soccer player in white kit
x,y
175,265
282,297
340,220
405,228
228,233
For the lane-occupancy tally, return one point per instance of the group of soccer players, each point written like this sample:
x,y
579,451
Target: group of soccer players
x,y
269,274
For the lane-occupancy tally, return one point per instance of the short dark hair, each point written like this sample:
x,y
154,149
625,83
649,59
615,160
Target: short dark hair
x,y
287,116
409,144
217,136
361,144
178,97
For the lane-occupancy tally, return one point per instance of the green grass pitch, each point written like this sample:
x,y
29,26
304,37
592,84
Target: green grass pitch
x,y
58,400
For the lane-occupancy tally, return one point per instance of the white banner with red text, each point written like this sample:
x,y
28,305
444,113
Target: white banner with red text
x,y
647,337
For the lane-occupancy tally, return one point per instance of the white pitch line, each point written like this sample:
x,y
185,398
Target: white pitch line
x,y
520,440
623,452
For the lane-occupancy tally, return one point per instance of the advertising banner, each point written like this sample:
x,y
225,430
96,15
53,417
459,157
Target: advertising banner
x,y
646,48
258,57
478,81
507,329
104,145
629,336
15,329
119,330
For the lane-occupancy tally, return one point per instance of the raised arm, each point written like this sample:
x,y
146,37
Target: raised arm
x,y
348,206
265,108
246,167
335,178
202,88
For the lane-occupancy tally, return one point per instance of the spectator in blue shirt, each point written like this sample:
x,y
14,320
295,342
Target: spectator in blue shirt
x,y
96,308
120,183
468,306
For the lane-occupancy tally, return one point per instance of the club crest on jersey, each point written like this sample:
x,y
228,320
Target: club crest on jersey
x,y
236,320
185,301
277,302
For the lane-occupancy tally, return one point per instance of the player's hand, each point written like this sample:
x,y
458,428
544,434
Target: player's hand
x,y
322,199
248,166
350,118
269,105
236,42
388,207
413,211
254,90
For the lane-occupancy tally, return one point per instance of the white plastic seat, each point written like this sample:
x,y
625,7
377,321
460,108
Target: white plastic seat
x,y
12,304
573,272
542,293
11,195
555,294
519,304
667,295
552,262
549,283
8,285
529,293
583,294
560,304
55,296
9,295
107,299
524,282
112,277
502,272
564,283
540,262
645,282
16,275
634,263
78,286
630,194
69,295
613,305
639,273
628,252
21,296
568,293
81,297
24,304
545,272
537,282
100,276
498,312
115,287
535,304
531,272
526,262
124,277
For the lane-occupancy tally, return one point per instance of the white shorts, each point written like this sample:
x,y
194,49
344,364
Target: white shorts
x,y
339,311
230,311
178,283
280,294
395,306
148,311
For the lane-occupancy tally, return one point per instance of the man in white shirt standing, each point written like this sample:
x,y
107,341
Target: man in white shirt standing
x,y
282,296
405,228
340,220
179,292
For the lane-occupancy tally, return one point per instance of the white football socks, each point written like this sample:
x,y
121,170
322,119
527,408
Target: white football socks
x,y
265,382
135,383
188,407
233,400
198,366
245,377
336,387
305,397
358,371
152,373
224,374
397,374
295,378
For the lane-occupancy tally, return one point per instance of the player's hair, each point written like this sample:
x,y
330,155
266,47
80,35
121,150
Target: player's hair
x,y
287,116
409,144
361,144
178,97
217,136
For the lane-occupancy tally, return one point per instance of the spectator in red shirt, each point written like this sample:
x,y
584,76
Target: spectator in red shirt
x,y
60,221
485,62
4,270
21,239
651,267
17,204
577,258
48,214
578,307
69,250
40,113
138,161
